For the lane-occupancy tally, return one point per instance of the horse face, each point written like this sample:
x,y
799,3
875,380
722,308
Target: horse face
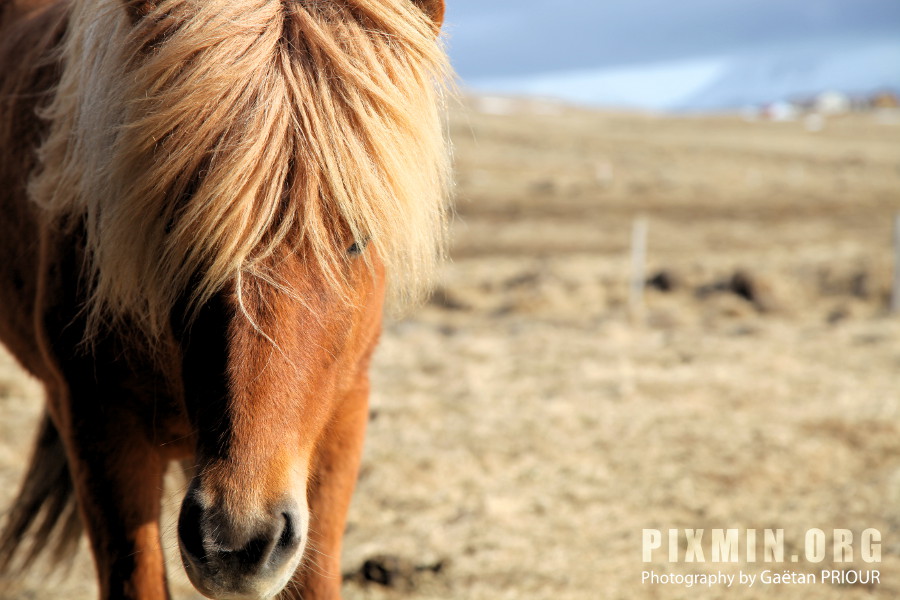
x,y
268,371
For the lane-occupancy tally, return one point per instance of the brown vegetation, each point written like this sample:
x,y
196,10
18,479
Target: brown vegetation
x,y
526,426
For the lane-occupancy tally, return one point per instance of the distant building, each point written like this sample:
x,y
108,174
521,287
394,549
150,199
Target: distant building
x,y
781,111
832,103
885,99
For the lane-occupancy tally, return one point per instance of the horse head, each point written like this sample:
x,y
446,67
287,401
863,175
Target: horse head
x,y
272,376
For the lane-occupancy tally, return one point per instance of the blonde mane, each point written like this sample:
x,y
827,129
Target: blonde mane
x,y
194,141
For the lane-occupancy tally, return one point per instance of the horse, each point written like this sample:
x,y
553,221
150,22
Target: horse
x,y
206,205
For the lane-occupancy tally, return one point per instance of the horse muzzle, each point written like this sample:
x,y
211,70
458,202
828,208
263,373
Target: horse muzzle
x,y
233,558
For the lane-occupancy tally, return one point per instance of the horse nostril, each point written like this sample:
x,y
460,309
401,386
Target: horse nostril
x,y
290,536
189,528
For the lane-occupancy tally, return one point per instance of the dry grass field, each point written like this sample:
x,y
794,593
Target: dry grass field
x,y
527,425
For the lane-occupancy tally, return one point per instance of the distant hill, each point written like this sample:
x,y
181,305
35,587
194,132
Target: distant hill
x,y
752,77
769,76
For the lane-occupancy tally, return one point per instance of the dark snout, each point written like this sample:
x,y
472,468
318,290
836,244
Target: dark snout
x,y
239,557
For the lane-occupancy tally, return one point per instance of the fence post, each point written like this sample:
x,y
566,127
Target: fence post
x,y
638,262
895,289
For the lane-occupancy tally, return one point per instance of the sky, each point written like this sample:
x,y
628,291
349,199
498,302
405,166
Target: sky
x,y
657,48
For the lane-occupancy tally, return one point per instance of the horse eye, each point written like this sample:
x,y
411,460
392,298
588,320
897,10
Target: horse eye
x,y
357,248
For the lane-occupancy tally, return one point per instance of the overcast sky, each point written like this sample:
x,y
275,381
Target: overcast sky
x,y
503,38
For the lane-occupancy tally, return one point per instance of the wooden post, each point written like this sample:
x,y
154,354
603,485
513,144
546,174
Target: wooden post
x,y
895,289
638,261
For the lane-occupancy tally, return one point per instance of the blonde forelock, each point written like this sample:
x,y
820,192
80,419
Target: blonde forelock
x,y
197,140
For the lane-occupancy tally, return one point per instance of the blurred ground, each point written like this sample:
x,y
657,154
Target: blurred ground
x,y
526,426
